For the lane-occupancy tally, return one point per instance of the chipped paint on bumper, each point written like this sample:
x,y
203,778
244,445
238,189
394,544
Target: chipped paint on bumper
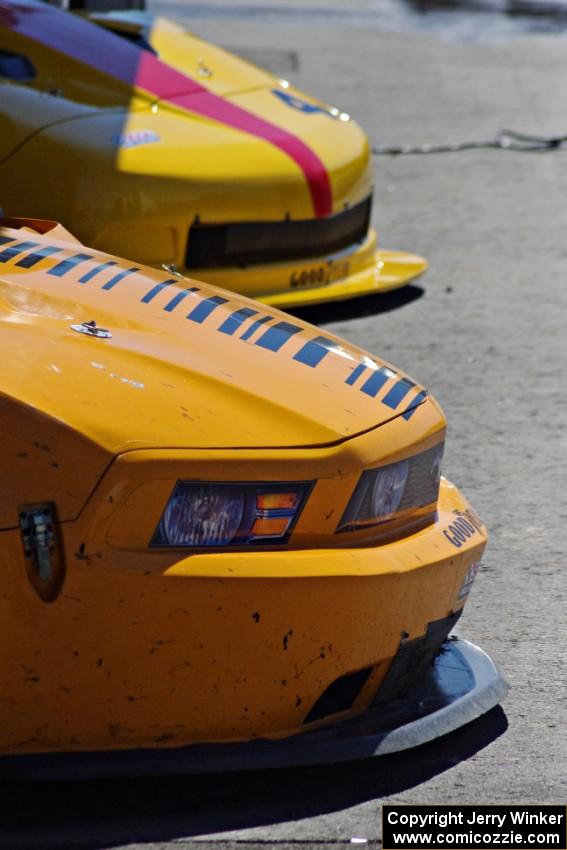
x,y
462,684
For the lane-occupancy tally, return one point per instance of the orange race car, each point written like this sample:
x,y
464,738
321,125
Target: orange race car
x,y
224,535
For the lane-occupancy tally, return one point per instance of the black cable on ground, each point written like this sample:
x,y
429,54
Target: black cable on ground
x,y
508,140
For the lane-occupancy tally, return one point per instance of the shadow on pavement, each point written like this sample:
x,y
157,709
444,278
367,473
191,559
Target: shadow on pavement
x,y
97,814
355,308
523,8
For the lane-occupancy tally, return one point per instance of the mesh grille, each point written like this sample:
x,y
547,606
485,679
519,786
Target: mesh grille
x,y
255,242
422,486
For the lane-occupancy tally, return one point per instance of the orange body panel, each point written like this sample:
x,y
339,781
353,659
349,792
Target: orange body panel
x,y
121,381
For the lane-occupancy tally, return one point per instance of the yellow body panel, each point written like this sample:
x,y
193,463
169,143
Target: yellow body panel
x,y
153,646
160,361
216,648
135,149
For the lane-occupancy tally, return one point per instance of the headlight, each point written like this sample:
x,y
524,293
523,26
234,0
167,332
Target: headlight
x,y
210,514
387,491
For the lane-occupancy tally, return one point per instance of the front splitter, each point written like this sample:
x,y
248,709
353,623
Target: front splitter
x,y
390,270
462,684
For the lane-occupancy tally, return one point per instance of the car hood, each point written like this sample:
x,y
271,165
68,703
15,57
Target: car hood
x,y
184,364
154,91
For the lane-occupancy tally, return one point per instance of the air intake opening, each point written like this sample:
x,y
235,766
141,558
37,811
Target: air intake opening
x,y
339,696
253,242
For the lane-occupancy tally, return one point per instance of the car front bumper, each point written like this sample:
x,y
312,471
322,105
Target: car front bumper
x,y
358,270
462,683
232,648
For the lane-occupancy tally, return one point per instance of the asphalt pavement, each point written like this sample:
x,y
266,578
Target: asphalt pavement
x,y
485,330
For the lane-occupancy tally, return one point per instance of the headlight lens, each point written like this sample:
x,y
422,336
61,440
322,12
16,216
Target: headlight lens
x,y
388,488
387,491
200,516
210,514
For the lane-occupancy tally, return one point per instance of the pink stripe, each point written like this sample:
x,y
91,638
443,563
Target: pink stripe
x,y
312,167
170,85
112,55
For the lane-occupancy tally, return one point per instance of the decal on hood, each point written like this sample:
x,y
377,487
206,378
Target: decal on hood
x,y
300,104
307,106
136,138
251,325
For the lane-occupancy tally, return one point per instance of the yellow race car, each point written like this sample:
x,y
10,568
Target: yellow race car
x,y
155,144
225,539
